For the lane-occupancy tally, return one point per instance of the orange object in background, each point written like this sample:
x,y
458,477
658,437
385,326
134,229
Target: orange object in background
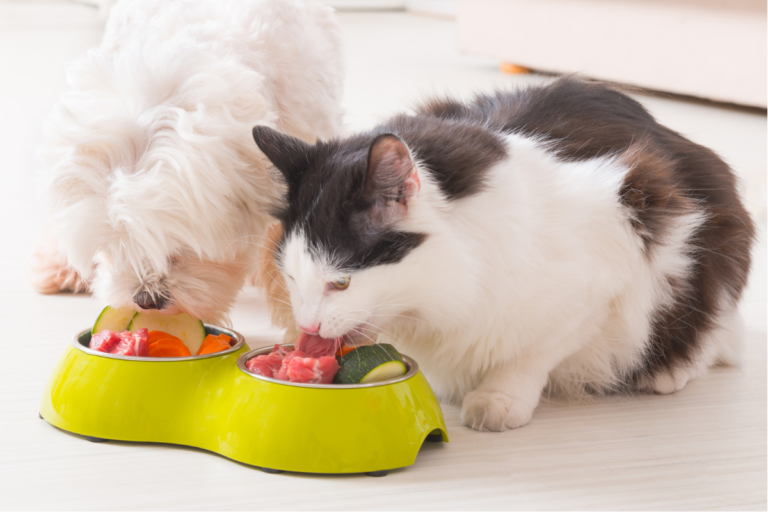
x,y
513,69
169,347
213,344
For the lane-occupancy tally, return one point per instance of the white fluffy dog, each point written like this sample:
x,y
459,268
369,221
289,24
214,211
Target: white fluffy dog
x,y
159,197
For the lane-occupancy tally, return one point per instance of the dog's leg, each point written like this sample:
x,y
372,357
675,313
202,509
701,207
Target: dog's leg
x,y
270,279
51,273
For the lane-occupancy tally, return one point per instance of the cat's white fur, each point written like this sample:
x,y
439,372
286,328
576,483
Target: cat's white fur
x,y
538,280
151,170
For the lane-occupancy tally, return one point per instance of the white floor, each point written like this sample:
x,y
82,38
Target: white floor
x,y
704,447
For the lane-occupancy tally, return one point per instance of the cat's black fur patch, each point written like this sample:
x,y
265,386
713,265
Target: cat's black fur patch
x,y
328,203
457,154
327,200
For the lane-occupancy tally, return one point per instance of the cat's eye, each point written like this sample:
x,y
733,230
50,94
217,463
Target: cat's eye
x,y
341,283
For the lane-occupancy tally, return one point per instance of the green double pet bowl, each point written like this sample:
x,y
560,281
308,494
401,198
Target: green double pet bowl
x,y
212,402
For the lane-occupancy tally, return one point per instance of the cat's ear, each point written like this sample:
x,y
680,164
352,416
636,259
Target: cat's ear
x,y
289,154
392,179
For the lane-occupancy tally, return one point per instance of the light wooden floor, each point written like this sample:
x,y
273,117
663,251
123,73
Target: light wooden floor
x,y
702,448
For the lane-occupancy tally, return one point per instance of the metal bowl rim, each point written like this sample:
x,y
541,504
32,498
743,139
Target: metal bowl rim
x,y
413,369
233,334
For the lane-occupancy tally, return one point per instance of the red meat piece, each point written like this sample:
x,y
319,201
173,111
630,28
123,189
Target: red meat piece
x,y
142,342
311,370
104,341
281,350
133,344
282,374
260,366
296,365
265,364
317,346
294,353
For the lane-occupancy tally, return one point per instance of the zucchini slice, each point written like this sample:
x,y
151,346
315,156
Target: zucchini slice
x,y
386,371
189,330
113,319
370,363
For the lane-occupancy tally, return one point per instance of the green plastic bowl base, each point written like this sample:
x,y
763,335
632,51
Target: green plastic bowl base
x,y
211,404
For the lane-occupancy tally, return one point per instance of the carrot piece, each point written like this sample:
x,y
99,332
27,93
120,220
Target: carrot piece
x,y
154,336
212,349
226,339
169,347
344,350
213,344
209,340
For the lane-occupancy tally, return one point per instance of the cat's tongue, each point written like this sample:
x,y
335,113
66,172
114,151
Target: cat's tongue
x,y
317,346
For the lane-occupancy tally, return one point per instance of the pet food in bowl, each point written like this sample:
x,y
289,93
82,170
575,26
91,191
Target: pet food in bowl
x,y
214,402
334,428
181,335
342,365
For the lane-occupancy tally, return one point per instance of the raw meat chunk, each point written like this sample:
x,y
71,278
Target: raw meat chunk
x,y
260,366
295,365
133,344
281,350
295,353
123,344
282,374
310,369
105,341
316,346
267,364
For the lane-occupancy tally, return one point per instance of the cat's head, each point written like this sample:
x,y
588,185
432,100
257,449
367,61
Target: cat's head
x,y
349,244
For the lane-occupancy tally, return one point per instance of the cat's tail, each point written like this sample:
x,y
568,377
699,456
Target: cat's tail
x,y
727,339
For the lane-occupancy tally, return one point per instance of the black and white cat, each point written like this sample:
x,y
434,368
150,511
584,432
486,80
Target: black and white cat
x,y
556,236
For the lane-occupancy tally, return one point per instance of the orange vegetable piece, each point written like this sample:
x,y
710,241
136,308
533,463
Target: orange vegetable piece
x,y
213,344
169,347
344,350
208,341
154,336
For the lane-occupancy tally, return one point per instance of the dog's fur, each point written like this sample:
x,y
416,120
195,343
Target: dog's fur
x,y
270,279
153,179
555,237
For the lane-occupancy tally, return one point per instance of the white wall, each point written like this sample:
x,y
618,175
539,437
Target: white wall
x,y
713,49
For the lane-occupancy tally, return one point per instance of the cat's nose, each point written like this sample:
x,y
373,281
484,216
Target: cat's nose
x,y
146,300
311,329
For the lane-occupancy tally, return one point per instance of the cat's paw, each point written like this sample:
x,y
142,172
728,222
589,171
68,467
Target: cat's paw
x,y
669,381
665,382
493,411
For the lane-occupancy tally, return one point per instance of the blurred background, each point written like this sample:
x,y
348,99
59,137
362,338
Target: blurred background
x,y
714,49
699,66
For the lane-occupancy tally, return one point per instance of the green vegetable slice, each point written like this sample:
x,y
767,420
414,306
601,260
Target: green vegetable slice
x,y
188,329
370,363
386,371
113,319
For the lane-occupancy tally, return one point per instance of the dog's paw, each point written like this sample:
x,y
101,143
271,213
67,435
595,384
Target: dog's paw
x,y
52,274
493,411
